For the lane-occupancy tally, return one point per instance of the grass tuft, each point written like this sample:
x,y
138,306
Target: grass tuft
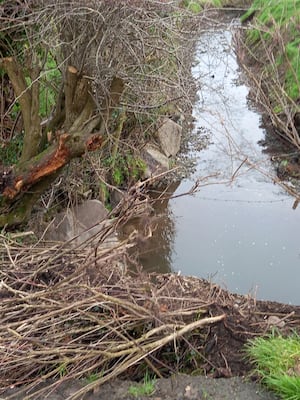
x,y
146,388
277,361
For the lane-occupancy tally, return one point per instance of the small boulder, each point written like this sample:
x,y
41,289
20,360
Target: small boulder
x,y
156,161
169,135
80,223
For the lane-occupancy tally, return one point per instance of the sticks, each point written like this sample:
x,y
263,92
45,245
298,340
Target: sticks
x,y
100,320
143,352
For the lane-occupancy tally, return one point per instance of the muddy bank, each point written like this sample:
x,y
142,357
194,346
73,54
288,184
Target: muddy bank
x,y
267,48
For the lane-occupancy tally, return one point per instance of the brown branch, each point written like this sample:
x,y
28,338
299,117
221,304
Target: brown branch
x,y
70,86
111,102
77,98
49,161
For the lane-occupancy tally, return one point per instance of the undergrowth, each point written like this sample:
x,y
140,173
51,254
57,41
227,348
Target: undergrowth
x,y
277,362
125,168
11,151
145,388
196,6
276,27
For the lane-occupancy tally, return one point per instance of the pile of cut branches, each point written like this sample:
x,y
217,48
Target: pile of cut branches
x,y
69,314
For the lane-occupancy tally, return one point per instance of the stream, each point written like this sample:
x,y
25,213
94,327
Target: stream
x,y
239,229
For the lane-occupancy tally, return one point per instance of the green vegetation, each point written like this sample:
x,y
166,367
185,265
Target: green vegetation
x,y
62,370
276,29
143,389
195,6
125,168
49,86
93,377
277,361
11,151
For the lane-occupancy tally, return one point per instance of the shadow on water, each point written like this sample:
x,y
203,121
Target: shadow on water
x,y
239,229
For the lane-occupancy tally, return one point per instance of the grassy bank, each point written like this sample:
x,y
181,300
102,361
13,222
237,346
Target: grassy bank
x,y
277,361
197,6
272,43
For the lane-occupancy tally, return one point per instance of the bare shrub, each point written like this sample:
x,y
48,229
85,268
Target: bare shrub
x,y
111,67
265,57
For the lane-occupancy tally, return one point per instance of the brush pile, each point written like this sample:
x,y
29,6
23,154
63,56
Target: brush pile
x,y
72,314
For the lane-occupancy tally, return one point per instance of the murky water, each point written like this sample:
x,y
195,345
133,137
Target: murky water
x,y
239,229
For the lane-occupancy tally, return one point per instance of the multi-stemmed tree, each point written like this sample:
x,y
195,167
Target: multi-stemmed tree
x,y
79,69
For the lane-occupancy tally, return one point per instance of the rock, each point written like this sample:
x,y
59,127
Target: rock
x,y
156,161
116,196
169,136
274,321
80,224
90,213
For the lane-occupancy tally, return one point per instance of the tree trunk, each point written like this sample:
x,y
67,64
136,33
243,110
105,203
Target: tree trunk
x,y
50,161
37,172
28,98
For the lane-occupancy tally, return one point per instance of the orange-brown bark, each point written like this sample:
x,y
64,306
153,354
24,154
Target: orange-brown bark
x,y
49,162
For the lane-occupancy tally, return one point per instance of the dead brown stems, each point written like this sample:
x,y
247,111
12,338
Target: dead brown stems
x,y
66,315
267,79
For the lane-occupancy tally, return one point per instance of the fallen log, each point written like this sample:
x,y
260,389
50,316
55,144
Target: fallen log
x,y
24,175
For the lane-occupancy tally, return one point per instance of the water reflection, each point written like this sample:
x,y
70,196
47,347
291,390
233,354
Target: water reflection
x,y
240,229
156,254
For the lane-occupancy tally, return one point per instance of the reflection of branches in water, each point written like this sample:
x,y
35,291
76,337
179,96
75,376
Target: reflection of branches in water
x,y
156,253
234,152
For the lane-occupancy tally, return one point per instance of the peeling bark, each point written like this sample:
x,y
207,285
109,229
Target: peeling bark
x,y
50,161
20,211
37,172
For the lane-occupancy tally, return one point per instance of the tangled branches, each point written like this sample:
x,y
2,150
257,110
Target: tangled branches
x,y
110,69
70,314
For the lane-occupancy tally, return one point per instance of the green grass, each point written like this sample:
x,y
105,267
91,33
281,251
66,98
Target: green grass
x,y
196,6
276,25
93,377
281,10
146,388
11,151
277,362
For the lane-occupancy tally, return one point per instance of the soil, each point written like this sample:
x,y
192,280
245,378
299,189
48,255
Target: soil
x,y
181,387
